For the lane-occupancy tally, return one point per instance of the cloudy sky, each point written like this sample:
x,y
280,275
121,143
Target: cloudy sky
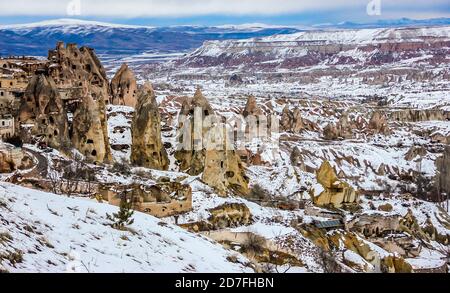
x,y
173,12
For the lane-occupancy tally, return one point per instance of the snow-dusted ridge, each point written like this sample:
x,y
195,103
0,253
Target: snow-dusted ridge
x,y
70,22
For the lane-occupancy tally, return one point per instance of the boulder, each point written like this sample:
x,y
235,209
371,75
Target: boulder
x,y
230,215
147,148
385,207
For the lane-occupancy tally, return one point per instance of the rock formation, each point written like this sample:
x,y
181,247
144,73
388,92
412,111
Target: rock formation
x,y
378,124
42,106
204,147
12,158
147,148
418,115
252,108
82,75
343,129
332,191
414,152
230,215
191,153
443,176
297,158
124,87
88,134
330,132
291,121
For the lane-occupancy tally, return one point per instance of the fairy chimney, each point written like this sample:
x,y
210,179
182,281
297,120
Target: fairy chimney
x,y
124,87
147,148
42,106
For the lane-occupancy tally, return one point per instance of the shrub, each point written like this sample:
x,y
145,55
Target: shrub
x,y
254,243
121,167
122,218
259,193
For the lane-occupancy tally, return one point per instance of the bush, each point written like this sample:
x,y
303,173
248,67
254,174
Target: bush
x,y
121,167
254,243
328,262
259,193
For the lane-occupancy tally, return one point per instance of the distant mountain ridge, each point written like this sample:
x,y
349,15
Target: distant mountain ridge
x,y
117,39
37,38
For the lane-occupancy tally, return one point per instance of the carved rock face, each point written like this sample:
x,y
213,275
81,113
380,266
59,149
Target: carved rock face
x,y
124,87
87,134
147,149
81,73
43,107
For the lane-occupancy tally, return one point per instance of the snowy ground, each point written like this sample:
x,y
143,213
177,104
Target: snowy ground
x,y
43,232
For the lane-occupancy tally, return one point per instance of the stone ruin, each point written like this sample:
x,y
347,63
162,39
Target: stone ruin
x,y
333,192
124,87
147,148
205,148
161,200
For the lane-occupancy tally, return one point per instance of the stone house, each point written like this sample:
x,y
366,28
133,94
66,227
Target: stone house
x,y
6,126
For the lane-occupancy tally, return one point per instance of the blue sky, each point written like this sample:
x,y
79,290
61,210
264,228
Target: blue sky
x,y
216,12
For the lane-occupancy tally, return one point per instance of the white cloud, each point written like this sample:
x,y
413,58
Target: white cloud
x,y
174,8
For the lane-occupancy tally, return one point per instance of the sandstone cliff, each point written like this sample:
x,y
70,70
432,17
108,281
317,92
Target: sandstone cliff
x,y
147,148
